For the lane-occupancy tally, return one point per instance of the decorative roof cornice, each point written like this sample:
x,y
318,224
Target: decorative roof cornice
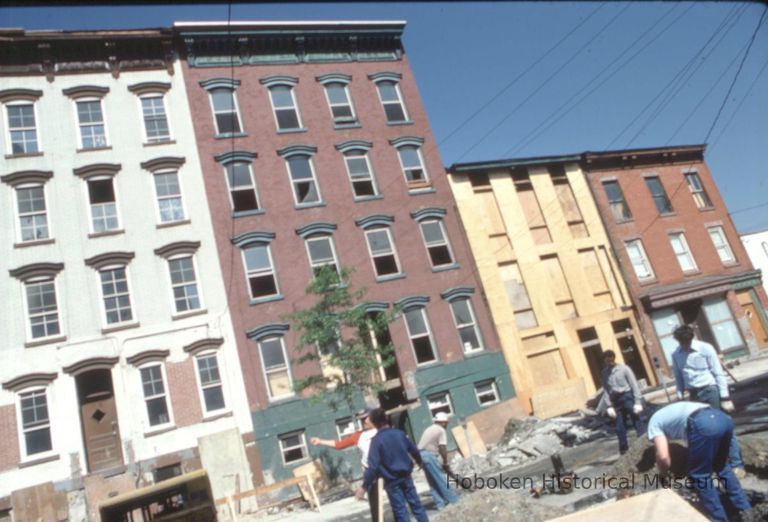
x,y
92,363
26,272
267,330
203,344
354,145
321,227
236,155
457,292
486,166
375,220
178,247
97,169
293,150
142,88
413,301
257,236
110,258
334,77
632,158
271,81
147,356
217,83
406,140
83,91
166,162
425,213
391,76
28,380
27,176
8,95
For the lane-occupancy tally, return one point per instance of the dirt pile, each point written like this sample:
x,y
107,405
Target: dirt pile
x,y
641,459
489,505
754,451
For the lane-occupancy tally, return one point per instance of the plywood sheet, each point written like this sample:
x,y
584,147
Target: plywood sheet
x,y
469,440
556,399
648,507
317,475
492,421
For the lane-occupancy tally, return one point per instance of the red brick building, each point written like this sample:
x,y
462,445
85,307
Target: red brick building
x,y
316,150
678,248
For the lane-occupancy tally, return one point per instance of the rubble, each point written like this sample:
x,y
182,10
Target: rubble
x,y
754,451
490,505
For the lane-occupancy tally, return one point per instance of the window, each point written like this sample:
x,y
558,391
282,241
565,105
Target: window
x,y
568,202
392,101
285,107
682,252
382,252
93,134
35,422
639,260
293,447
260,271
210,382
169,201
717,234
420,335
43,312
22,128
413,166
155,396
33,215
436,242
101,195
531,207
225,111
659,195
276,370
347,426
700,196
155,119
184,284
487,393
116,295
464,318
321,253
242,189
517,294
339,102
616,201
360,174
722,323
440,402
303,180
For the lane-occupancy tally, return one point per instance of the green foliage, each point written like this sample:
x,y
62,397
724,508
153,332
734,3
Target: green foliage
x,y
341,328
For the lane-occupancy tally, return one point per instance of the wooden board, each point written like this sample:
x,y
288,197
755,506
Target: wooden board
x,y
317,477
662,504
492,421
556,399
469,441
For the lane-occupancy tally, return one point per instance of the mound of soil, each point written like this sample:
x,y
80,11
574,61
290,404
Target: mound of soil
x,y
488,505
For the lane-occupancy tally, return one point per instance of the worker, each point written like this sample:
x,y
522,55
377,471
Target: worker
x,y
433,442
623,396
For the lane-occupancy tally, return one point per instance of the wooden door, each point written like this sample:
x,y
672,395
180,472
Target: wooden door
x,y
98,415
756,325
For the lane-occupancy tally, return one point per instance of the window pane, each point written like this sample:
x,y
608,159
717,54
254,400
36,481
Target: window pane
x,y
281,97
385,265
227,122
320,250
387,91
223,100
300,168
243,200
358,167
262,286
272,352
440,255
461,311
167,184
239,175
214,398
38,441
287,119
337,94
379,242
433,232
101,191
422,346
257,258
31,199
409,156
415,320
157,410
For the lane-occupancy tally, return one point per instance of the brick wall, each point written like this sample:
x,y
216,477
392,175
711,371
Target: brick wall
x,y
9,438
185,399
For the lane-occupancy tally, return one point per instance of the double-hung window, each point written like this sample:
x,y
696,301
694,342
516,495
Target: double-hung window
x,y
640,262
116,295
22,128
440,402
486,392
103,205
155,394
293,447
42,308
616,201
225,111
210,382
390,96
277,371
155,118
186,296
360,173
420,335
658,194
682,252
260,270
436,241
35,422
169,203
411,161
304,185
339,103
700,196
382,250
91,124
720,242
321,253
33,214
286,110
464,317
242,189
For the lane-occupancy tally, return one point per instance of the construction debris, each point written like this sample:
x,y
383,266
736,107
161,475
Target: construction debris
x,y
490,505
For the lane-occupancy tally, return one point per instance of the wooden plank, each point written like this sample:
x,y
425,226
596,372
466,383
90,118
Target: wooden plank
x,y
469,440
316,475
649,507
556,399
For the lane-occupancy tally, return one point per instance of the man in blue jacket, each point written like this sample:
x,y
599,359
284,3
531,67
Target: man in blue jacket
x,y
390,458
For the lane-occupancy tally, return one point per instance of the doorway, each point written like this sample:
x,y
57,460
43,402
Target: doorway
x,y
98,417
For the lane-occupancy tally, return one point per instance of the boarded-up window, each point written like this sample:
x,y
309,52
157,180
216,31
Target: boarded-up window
x,y
568,202
531,208
547,368
494,224
592,269
518,296
559,287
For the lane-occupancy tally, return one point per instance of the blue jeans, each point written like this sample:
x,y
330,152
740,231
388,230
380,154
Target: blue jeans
x,y
711,395
402,494
709,437
623,404
438,482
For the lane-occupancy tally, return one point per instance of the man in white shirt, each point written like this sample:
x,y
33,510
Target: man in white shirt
x,y
434,442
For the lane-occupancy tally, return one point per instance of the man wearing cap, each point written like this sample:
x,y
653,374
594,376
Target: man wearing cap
x,y
623,397
362,439
697,369
433,442
708,432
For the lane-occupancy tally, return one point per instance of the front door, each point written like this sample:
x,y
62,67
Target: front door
x,y
98,416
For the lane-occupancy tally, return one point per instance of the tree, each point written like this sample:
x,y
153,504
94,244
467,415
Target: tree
x,y
337,331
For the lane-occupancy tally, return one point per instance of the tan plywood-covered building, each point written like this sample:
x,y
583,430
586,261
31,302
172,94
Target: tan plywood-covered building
x,y
551,279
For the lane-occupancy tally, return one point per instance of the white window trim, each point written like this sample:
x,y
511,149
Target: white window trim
x,y
118,215
253,186
445,242
352,119
103,307
431,337
396,84
148,427
49,224
303,444
293,182
248,272
356,426
494,390
448,402
157,196
200,386
474,324
312,263
646,261
23,455
687,251
145,134
364,154
6,124
292,91
107,142
175,313
236,107
59,311
421,161
287,363
391,246
721,231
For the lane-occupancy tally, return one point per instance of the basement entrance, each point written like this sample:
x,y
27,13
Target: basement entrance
x,y
98,416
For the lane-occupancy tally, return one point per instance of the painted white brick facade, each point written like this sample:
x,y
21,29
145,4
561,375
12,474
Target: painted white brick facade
x,y
756,245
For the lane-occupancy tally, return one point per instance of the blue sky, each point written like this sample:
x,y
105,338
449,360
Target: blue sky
x,y
503,80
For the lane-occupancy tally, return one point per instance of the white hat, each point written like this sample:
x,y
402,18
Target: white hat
x,y
441,416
